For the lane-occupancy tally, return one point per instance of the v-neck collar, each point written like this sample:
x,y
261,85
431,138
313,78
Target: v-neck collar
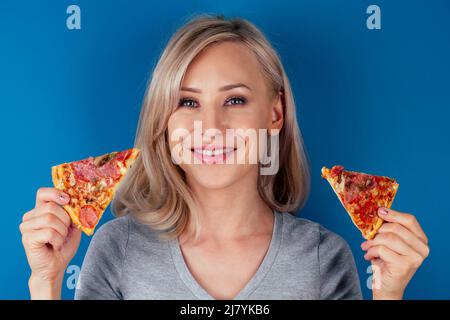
x,y
251,285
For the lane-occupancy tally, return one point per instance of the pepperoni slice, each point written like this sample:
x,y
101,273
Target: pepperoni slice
x,y
110,170
88,216
85,170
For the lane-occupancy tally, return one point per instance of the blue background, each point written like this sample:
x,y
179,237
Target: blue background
x,y
373,100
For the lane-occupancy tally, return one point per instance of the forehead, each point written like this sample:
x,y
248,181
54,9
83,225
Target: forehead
x,y
224,63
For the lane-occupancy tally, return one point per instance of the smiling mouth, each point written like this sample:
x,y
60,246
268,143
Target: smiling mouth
x,y
209,154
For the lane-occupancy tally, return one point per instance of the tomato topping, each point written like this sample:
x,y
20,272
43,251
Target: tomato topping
x,y
336,171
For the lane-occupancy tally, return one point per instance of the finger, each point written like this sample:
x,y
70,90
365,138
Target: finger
x,y
394,243
44,195
384,253
74,233
410,238
45,221
409,221
49,207
38,238
73,240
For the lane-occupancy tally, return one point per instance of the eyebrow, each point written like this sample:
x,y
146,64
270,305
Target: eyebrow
x,y
224,88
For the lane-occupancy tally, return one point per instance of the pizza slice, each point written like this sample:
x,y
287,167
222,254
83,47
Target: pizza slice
x,y
91,184
361,195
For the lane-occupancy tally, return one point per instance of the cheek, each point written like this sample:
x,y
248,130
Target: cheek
x,y
256,117
178,125
178,121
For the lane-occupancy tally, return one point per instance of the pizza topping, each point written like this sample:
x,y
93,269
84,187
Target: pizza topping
x,y
100,161
72,180
110,170
336,171
371,183
350,196
85,170
68,178
123,155
367,212
358,190
88,216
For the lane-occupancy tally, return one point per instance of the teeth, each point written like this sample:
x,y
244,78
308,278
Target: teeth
x,y
216,152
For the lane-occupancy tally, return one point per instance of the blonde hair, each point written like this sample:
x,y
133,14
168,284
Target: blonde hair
x,y
154,189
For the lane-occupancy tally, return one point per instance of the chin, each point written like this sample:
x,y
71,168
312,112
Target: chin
x,y
217,176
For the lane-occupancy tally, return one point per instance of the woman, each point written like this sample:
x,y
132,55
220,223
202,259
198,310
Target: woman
x,y
191,227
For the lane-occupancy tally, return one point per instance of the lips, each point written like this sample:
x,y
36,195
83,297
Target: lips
x,y
209,154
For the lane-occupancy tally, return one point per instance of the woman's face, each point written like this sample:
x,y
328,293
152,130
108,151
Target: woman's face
x,y
224,103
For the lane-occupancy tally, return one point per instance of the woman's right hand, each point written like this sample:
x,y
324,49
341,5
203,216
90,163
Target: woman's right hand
x,y
50,243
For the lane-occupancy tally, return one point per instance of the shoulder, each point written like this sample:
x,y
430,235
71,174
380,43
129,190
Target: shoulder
x,y
102,265
114,226
308,236
125,234
336,266
299,229
111,236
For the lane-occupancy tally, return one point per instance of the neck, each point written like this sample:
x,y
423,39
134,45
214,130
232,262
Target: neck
x,y
232,212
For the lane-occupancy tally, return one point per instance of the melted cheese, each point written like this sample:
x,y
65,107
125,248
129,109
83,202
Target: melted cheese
x,y
341,186
122,168
72,180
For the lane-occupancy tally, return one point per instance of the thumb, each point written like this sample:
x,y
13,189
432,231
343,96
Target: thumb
x,y
391,215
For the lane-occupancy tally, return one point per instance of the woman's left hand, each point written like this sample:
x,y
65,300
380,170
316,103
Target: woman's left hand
x,y
398,249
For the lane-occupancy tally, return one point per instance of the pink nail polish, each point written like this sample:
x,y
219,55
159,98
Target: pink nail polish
x,y
383,211
63,197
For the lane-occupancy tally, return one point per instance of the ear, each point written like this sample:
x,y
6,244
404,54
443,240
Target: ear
x,y
277,119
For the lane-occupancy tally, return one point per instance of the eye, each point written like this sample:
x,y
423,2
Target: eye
x,y
188,103
236,100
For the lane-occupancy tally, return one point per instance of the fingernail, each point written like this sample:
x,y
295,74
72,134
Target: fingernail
x,y
63,197
363,245
383,211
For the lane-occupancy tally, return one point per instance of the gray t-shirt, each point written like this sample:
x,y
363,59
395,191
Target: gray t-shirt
x,y
126,260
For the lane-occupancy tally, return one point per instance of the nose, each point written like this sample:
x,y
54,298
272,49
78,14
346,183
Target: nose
x,y
213,122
